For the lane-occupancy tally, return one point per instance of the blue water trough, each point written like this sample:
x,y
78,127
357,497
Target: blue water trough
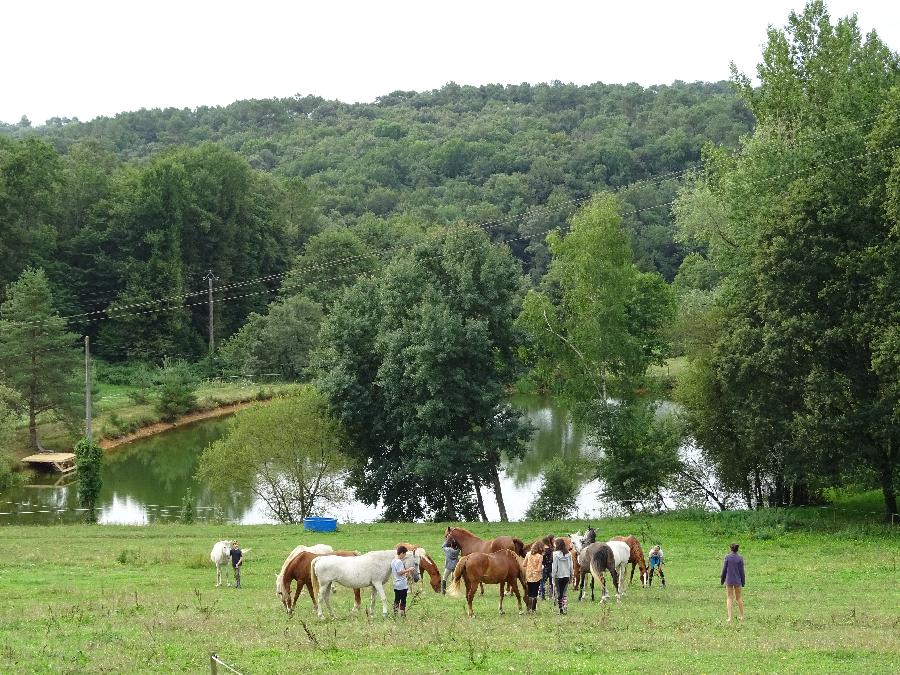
x,y
319,524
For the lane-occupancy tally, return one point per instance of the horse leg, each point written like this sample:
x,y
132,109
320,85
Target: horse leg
x,y
470,595
380,589
370,608
592,588
356,599
515,587
501,597
218,575
327,594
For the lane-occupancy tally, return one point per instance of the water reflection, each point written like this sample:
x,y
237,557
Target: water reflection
x,y
145,481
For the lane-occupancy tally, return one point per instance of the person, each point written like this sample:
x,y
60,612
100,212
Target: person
x,y
237,558
534,572
401,584
656,564
547,567
733,580
590,537
451,557
562,574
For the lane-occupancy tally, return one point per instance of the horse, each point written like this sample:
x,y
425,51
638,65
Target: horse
x,y
279,578
621,552
296,568
372,569
600,558
427,564
469,543
220,556
502,567
636,558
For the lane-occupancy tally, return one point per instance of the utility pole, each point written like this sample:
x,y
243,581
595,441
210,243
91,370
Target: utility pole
x,y
212,346
88,427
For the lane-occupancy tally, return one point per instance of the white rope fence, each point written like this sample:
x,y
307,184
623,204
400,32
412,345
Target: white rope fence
x,y
215,662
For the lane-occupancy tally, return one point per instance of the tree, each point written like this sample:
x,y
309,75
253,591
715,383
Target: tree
x,y
89,460
279,341
9,404
414,364
177,391
594,329
38,358
557,498
287,453
788,392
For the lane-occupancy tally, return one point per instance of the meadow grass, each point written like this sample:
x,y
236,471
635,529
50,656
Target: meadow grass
x,y
821,596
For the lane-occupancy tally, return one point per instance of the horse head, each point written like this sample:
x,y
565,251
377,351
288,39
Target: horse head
x,y
577,540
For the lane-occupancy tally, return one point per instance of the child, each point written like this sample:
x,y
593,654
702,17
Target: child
x,y
401,585
548,567
733,579
534,572
656,562
451,557
562,573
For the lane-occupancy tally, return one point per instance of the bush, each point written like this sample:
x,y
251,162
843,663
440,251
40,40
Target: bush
x,y
177,394
187,508
89,460
558,496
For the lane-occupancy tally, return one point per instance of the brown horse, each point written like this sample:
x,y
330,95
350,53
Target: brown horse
x,y
298,570
469,543
636,558
502,567
598,558
427,565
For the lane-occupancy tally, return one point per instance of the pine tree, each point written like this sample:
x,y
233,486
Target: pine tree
x,y
37,354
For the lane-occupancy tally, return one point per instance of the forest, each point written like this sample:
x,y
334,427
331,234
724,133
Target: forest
x,y
417,258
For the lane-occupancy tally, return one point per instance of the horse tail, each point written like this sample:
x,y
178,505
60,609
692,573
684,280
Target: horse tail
x,y
457,576
600,563
314,580
519,547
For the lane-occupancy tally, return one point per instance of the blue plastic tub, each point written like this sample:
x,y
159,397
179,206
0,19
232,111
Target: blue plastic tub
x,y
316,524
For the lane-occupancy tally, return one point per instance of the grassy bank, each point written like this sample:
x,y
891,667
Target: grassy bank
x,y
821,597
116,413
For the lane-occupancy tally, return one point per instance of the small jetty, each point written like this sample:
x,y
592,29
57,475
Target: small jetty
x,y
61,462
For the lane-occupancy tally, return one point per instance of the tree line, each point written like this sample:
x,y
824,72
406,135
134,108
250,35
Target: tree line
x,y
781,292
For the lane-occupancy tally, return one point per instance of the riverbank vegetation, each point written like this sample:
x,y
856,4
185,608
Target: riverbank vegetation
x,y
416,257
143,599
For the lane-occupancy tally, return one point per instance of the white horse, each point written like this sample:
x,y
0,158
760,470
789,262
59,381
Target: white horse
x,y
221,557
372,569
621,553
577,539
279,578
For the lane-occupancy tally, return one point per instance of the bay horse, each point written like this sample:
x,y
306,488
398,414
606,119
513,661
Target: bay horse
x,y
297,568
369,570
427,564
502,567
636,558
599,558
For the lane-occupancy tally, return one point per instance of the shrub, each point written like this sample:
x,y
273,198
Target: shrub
x,y
177,394
187,508
558,496
89,460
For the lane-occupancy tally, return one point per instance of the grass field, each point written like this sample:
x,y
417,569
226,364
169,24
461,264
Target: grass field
x,y
822,596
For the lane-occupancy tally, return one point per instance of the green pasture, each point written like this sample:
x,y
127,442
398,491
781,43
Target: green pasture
x,y
822,596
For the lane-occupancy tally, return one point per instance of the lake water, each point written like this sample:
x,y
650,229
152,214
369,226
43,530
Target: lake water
x,y
144,481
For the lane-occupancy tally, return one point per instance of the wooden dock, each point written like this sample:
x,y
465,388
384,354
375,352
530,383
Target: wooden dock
x,y
61,462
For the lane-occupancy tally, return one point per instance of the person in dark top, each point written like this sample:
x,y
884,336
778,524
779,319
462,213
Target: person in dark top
x,y
547,562
734,580
237,557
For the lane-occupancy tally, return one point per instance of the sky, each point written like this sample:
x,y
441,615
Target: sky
x,y
86,58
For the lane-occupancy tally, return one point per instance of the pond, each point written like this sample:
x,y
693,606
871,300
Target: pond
x,y
145,481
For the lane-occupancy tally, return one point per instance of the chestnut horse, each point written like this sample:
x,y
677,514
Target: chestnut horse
x,y
297,569
502,567
427,564
469,543
636,558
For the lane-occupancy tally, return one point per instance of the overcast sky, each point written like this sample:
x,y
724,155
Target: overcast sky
x,y
88,58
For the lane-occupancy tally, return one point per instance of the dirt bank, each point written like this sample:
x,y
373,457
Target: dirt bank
x,y
160,427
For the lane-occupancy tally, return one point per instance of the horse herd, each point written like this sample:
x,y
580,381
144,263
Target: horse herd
x,y
496,561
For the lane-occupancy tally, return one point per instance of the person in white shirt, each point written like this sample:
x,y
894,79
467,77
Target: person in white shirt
x,y
401,584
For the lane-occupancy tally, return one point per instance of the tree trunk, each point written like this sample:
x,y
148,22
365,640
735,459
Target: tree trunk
x,y
451,508
32,428
498,493
480,501
887,488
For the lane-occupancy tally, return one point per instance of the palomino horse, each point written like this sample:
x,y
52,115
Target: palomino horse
x,y
600,558
636,558
370,570
502,567
296,568
427,564
220,556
